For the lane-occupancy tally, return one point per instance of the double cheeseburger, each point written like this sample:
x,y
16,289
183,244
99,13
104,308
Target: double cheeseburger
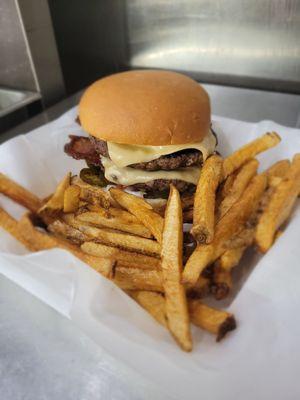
x,y
146,129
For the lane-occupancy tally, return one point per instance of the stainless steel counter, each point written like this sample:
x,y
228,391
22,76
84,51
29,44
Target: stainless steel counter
x,y
42,354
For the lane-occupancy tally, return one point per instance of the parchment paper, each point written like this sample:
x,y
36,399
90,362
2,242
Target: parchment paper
x,y
260,360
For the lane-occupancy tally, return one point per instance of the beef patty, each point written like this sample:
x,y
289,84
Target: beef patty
x,y
180,159
90,149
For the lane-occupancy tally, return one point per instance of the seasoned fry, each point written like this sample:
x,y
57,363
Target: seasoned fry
x,y
138,279
222,283
60,228
96,219
200,290
176,303
244,238
241,181
115,239
92,194
227,227
71,199
152,302
19,194
279,207
231,258
8,223
56,201
204,205
249,151
278,169
127,258
212,320
38,240
140,209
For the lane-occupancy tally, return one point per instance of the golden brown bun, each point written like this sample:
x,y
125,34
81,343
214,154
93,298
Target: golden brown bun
x,y
150,107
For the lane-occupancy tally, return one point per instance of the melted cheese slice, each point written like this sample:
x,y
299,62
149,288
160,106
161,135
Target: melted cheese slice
x,y
129,176
123,155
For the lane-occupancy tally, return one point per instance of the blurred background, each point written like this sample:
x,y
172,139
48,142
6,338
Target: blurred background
x,y
51,49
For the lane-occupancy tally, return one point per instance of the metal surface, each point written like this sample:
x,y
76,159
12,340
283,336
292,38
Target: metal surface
x,y
11,100
15,64
43,355
91,39
248,43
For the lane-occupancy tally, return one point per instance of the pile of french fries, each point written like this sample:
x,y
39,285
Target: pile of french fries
x,y
142,248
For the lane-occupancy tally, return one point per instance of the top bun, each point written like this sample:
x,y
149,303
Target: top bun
x,y
146,107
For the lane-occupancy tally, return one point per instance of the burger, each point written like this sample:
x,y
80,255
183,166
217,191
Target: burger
x,y
146,129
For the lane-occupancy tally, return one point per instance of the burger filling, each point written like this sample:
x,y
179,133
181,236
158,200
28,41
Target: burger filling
x,y
147,168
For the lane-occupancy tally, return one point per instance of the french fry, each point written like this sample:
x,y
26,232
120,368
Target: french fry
x,y
222,283
8,223
231,258
138,279
226,228
204,204
244,238
19,194
279,207
96,219
56,202
176,303
38,240
127,258
210,319
71,199
115,239
201,289
140,209
249,151
60,228
278,169
92,194
152,302
241,181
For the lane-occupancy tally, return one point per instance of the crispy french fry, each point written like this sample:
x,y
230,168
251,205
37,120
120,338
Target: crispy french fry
x,y
115,239
200,290
222,283
71,199
249,151
139,208
56,201
152,302
226,185
92,194
38,240
244,238
204,205
210,319
96,219
61,228
279,207
231,258
278,169
19,194
241,181
227,227
138,279
8,223
127,258
176,303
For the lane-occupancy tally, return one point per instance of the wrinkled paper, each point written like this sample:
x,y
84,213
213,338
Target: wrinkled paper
x,y
260,359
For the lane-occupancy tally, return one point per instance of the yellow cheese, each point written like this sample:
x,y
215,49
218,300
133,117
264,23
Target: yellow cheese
x,y
123,155
130,176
